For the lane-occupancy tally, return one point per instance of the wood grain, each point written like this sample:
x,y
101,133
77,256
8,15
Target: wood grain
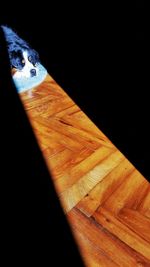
x,y
106,200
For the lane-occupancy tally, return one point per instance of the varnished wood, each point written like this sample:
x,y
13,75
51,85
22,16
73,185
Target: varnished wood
x,y
106,200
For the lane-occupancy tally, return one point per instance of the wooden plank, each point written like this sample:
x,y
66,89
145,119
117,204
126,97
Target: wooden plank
x,y
73,174
63,162
92,255
141,193
51,146
36,100
55,136
136,222
50,108
57,162
81,121
84,185
57,159
102,191
79,170
121,231
111,246
127,193
71,110
144,208
85,138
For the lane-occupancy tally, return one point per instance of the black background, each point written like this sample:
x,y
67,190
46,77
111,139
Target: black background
x,y
98,55
34,229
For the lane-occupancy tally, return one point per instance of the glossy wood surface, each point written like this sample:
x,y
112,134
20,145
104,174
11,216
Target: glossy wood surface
x,y
106,200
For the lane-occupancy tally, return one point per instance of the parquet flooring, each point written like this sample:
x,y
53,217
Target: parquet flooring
x,y
106,200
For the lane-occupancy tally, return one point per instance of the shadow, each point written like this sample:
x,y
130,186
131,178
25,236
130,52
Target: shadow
x,y
34,227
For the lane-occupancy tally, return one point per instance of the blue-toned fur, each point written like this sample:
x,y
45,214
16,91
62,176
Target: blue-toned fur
x,y
16,46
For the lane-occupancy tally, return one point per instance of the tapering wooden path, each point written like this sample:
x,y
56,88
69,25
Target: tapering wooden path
x,y
106,200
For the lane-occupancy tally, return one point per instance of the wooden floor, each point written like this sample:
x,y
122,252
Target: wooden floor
x,y
106,200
